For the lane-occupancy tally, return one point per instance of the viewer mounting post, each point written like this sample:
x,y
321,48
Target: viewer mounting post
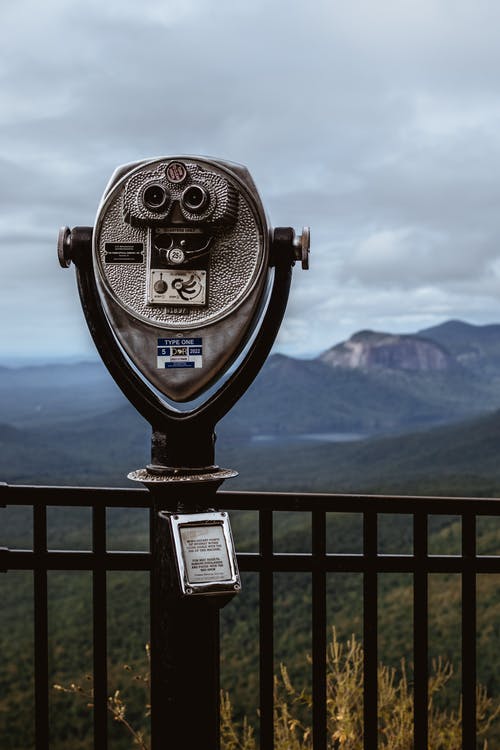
x,y
184,285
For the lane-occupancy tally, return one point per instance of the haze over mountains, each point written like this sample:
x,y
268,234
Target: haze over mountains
x,y
70,423
378,383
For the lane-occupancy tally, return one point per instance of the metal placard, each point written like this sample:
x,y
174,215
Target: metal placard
x,y
204,553
177,287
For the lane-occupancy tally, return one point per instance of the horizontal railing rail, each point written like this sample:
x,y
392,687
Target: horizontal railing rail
x,y
265,562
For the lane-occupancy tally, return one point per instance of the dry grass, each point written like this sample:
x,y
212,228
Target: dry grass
x,y
344,708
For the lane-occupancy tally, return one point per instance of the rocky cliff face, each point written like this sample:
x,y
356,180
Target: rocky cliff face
x,y
368,350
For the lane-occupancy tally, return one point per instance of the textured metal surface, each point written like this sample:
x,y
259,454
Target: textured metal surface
x,y
237,258
146,477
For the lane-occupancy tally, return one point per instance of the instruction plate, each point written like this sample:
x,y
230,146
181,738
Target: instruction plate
x,y
204,552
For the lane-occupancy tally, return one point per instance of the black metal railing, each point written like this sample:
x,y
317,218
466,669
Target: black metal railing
x,y
266,562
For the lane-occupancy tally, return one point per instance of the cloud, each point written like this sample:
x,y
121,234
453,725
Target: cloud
x,y
408,257
375,123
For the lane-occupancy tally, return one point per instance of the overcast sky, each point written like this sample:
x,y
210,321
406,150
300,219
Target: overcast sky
x,y
376,122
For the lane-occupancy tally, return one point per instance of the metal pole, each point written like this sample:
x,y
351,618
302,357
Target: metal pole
x,y
184,639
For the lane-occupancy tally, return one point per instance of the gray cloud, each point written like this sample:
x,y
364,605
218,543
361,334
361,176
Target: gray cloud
x,y
377,123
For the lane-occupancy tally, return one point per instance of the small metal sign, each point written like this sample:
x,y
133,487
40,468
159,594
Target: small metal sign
x,y
179,352
124,252
204,552
173,287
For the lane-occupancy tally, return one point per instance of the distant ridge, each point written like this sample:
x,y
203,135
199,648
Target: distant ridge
x,y
370,349
451,344
473,346
376,383
459,459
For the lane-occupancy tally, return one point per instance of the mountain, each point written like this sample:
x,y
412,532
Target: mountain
x,y
373,384
475,347
56,393
92,450
444,347
459,459
302,396
369,350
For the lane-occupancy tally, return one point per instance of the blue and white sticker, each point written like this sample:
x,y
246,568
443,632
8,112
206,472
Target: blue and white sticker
x,y
179,352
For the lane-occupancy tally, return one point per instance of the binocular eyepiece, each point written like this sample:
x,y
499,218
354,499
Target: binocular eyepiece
x,y
178,193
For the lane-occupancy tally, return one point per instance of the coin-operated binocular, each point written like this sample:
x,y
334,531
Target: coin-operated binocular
x,y
184,285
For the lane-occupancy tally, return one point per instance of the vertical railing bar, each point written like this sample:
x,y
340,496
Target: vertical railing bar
x,y
468,632
155,613
266,615
370,632
319,631
420,633
99,604
41,628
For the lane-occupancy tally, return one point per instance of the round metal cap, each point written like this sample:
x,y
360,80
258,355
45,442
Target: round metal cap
x,y
301,245
64,247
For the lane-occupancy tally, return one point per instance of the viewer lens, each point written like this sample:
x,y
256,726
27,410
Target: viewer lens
x,y
195,198
154,197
